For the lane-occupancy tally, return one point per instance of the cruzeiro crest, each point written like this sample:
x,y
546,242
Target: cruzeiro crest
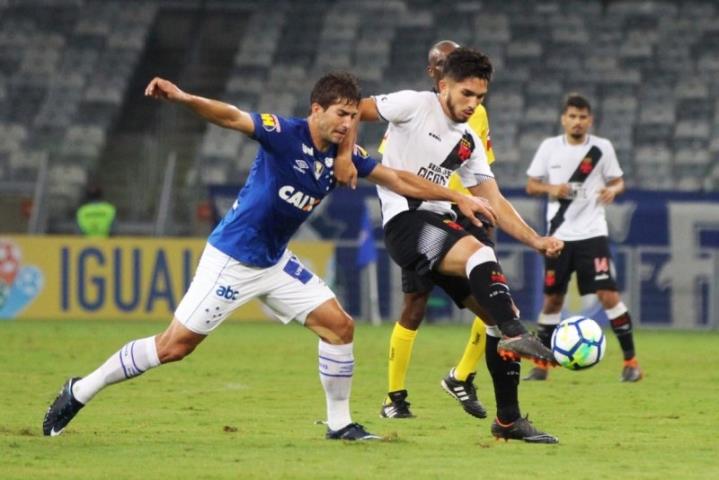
x,y
19,285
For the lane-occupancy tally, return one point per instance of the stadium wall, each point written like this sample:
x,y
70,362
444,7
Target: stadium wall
x,y
61,277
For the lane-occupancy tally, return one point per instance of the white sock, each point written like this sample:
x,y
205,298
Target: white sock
x,y
336,368
549,318
133,359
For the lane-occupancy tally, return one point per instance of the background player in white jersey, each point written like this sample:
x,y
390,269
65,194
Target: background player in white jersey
x,y
247,257
580,174
459,382
428,134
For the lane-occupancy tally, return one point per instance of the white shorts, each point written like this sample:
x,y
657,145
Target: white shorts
x,y
221,284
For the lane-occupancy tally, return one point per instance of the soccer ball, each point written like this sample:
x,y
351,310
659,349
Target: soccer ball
x,y
578,342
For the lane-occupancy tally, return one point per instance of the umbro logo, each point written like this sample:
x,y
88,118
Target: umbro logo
x,y
301,165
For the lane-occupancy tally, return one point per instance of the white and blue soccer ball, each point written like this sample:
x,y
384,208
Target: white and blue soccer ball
x,y
578,342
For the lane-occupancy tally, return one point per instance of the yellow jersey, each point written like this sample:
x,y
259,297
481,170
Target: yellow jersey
x,y
479,122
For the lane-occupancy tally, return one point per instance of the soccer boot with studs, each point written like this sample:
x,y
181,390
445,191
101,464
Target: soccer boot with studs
x,y
62,410
396,406
353,431
525,345
631,371
465,393
521,429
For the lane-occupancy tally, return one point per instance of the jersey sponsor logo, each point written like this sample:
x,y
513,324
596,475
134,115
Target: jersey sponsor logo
x,y
270,122
301,166
227,292
435,173
550,278
460,153
301,200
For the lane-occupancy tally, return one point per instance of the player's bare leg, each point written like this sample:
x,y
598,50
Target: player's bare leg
x,y
132,360
336,366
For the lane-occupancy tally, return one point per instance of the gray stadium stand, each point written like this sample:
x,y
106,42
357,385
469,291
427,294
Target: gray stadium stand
x,y
71,75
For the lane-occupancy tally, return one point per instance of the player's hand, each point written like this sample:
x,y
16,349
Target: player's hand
x,y
550,246
471,206
162,89
607,195
345,173
562,190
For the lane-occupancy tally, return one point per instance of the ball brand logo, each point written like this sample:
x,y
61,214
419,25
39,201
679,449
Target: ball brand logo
x,y
227,292
301,200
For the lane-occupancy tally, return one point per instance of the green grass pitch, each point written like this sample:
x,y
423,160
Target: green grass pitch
x,y
244,405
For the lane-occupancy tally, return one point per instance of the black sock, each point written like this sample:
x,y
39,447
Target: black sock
x,y
544,332
622,328
505,377
489,288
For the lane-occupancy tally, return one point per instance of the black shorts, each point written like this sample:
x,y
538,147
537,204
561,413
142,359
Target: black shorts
x,y
591,260
422,277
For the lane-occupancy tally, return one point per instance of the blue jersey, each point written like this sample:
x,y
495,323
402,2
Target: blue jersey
x,y
289,178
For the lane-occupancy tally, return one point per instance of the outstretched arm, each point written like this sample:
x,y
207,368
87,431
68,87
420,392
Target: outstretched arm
x,y
410,185
511,222
219,113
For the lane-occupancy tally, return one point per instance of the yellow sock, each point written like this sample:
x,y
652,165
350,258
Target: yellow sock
x,y
473,351
400,351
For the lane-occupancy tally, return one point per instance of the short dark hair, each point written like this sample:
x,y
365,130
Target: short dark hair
x,y
336,87
464,63
577,101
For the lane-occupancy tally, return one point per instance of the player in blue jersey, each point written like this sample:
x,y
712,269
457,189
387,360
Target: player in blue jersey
x,y
246,255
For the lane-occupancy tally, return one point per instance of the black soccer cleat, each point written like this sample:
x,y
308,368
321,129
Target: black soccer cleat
x,y
62,410
465,393
398,406
521,429
353,431
527,346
